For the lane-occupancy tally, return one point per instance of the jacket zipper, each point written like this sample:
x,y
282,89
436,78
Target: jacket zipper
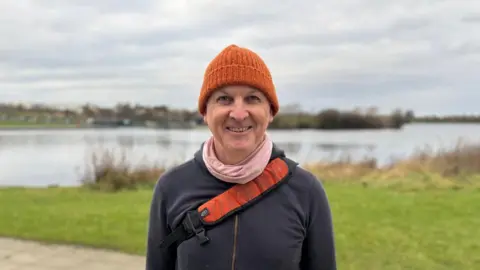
x,y
235,234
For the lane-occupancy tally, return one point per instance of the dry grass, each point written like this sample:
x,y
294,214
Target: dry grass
x,y
111,172
457,167
454,168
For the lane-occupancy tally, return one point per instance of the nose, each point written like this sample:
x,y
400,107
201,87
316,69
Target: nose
x,y
238,112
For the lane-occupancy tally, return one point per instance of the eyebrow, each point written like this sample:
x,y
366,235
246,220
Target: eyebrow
x,y
252,91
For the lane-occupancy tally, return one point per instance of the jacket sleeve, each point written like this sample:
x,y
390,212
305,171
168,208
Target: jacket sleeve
x,y
156,258
319,246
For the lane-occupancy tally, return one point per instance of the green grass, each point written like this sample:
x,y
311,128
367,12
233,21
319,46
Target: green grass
x,y
375,228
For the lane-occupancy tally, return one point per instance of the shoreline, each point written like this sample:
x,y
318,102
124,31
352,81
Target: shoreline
x,y
202,127
39,127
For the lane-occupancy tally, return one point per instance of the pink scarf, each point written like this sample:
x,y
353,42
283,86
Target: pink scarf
x,y
242,172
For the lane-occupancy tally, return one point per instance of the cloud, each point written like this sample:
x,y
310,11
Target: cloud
x,y
420,55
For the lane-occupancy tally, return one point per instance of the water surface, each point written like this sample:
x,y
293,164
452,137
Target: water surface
x,y
46,157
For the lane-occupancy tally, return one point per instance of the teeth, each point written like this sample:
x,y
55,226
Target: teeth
x,y
238,129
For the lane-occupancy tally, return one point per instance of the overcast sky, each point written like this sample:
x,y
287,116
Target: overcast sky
x,y
420,55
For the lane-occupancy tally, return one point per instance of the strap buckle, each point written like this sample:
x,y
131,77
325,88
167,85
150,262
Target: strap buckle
x,y
199,231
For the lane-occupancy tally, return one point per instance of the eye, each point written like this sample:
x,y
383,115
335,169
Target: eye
x,y
223,99
253,98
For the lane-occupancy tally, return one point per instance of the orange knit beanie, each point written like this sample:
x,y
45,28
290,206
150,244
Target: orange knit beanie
x,y
237,66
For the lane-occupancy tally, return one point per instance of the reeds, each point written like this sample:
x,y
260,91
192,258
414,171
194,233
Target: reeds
x,y
455,167
109,171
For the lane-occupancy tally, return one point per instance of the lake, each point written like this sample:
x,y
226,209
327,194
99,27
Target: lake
x,y
59,157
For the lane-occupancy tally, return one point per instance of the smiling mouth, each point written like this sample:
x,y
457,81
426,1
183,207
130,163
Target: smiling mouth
x,y
239,130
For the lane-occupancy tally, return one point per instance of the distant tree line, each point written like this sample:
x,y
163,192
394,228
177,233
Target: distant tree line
x,y
289,119
448,119
335,119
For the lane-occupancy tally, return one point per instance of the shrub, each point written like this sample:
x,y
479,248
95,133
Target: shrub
x,y
113,173
455,167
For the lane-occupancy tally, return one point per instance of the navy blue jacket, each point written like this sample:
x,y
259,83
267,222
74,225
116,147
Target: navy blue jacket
x,y
290,228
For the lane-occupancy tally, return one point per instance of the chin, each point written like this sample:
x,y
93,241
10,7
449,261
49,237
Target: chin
x,y
240,146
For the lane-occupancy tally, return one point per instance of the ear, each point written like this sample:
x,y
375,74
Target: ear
x,y
205,119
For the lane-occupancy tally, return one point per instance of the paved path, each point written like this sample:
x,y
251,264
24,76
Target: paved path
x,y
23,255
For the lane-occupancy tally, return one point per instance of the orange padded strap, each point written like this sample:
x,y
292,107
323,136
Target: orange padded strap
x,y
239,195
